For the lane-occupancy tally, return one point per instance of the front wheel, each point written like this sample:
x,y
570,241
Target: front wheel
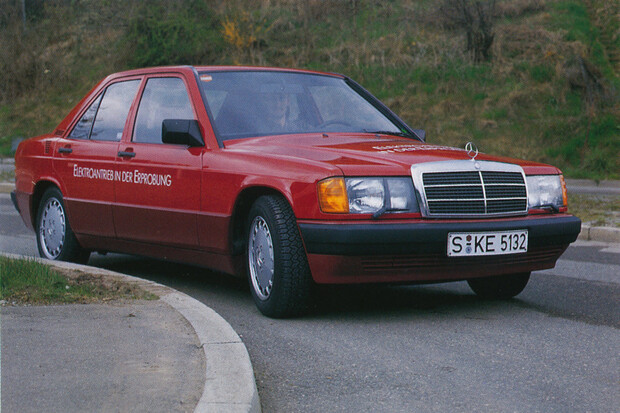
x,y
55,238
277,266
500,287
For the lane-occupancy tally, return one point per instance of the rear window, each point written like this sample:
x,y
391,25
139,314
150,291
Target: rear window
x,y
113,111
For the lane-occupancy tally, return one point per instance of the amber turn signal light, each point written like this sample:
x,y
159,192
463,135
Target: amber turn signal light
x,y
333,196
564,192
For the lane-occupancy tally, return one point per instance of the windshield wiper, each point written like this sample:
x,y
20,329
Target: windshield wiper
x,y
388,132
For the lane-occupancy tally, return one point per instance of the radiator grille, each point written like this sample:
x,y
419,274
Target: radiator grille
x,y
474,193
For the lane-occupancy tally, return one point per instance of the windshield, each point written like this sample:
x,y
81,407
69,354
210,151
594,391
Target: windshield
x,y
253,103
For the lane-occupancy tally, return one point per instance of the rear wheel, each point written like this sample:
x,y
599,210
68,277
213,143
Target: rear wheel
x,y
500,287
277,266
55,239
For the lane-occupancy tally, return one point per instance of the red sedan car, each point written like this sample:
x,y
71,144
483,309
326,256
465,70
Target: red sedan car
x,y
292,177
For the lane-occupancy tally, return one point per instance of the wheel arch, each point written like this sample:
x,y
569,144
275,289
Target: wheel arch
x,y
37,194
241,209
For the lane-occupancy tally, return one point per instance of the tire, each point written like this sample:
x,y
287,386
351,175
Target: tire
x,y
55,239
500,287
277,266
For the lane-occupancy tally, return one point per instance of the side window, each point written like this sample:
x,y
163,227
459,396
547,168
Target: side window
x,y
113,111
81,130
163,98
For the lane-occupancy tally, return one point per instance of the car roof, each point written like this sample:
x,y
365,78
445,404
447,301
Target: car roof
x,y
188,70
171,69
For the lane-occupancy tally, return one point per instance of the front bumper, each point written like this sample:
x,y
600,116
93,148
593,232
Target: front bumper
x,y
416,252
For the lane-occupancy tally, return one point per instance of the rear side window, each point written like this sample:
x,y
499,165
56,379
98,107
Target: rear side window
x,y
84,125
113,111
163,98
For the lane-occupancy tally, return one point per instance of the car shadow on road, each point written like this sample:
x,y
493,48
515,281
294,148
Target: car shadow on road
x,y
222,291
385,300
231,296
172,274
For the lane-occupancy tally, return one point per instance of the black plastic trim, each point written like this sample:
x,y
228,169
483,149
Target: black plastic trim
x,y
381,107
124,154
182,132
415,238
14,200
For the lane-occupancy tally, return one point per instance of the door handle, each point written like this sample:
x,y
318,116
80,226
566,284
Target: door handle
x,y
65,150
124,154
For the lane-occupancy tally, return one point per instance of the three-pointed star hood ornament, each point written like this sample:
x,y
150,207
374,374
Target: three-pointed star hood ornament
x,y
471,149
472,152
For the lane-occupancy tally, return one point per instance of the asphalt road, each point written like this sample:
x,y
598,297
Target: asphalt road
x,y
419,348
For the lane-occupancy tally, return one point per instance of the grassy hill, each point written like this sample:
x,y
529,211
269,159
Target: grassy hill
x,y
548,92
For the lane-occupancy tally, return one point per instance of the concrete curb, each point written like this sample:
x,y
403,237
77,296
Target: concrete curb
x,y
229,378
602,234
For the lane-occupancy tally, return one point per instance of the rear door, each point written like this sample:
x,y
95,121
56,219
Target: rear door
x,y
158,195
84,160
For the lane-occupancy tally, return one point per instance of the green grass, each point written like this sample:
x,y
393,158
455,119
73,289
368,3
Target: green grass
x,y
589,152
496,113
595,210
30,282
542,73
7,176
573,16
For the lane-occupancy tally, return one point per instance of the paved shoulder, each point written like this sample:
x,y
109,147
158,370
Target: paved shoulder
x,y
228,378
99,357
587,186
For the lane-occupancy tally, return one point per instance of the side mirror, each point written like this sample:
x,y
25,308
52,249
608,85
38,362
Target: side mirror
x,y
420,133
181,132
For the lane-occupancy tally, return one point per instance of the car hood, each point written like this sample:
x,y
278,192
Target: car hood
x,y
365,154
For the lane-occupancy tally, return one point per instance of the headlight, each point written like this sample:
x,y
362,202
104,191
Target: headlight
x,y
546,191
367,195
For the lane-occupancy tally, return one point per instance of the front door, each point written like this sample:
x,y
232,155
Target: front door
x,y
158,195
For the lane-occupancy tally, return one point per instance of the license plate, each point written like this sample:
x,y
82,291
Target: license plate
x,y
469,244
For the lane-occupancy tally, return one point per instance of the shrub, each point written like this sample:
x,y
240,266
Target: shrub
x,y
157,36
542,73
476,17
